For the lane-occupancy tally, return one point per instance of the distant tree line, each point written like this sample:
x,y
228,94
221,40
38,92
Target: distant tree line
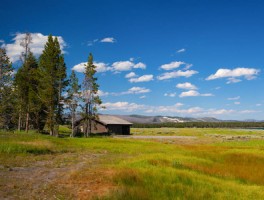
x,y
202,125
32,97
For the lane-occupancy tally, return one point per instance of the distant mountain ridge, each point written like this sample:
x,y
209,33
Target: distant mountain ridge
x,y
141,119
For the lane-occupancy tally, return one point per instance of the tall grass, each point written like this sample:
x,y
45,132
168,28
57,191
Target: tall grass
x,y
144,169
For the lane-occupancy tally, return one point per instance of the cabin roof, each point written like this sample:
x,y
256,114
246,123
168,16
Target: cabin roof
x,y
108,119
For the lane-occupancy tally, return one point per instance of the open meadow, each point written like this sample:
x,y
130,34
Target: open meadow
x,y
215,164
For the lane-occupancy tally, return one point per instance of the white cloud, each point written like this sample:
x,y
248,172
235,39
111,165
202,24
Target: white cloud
x,y
248,111
175,74
194,93
2,41
170,94
122,65
140,65
233,98
102,93
130,75
217,88
258,104
38,41
137,90
108,40
233,80
186,86
181,50
125,106
232,75
127,65
144,78
218,112
172,65
237,103
142,97
100,67
188,66
176,109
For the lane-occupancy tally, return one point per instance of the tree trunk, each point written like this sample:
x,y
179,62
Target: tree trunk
x,y
27,122
19,122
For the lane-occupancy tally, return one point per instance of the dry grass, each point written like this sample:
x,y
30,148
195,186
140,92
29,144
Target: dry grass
x,y
42,167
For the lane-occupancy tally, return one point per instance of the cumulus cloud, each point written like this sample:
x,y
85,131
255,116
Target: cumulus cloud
x,y
194,93
170,94
172,65
130,75
175,74
140,65
142,97
122,65
144,78
14,49
137,90
176,109
237,103
233,98
181,50
124,106
127,65
108,40
233,74
218,112
100,67
102,93
186,86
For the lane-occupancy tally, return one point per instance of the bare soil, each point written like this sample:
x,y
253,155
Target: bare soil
x,y
65,176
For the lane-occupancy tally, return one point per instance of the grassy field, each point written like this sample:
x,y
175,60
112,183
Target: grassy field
x,y
217,164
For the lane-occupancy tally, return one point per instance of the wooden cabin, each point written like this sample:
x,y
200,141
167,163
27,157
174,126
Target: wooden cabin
x,y
107,124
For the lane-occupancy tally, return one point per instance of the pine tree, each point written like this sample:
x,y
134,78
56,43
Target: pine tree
x,y
26,82
62,82
52,72
6,91
23,91
90,96
73,98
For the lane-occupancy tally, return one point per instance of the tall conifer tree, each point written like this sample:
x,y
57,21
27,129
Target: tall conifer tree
x,y
6,91
52,73
73,98
90,96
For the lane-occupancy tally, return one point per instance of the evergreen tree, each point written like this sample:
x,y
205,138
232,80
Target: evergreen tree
x,y
23,91
26,82
73,98
52,73
90,96
62,82
6,91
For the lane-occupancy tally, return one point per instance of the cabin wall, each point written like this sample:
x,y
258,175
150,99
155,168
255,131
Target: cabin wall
x,y
119,129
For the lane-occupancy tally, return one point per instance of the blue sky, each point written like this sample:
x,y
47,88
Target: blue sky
x,y
177,58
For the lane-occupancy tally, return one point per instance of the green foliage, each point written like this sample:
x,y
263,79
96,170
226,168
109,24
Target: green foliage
x,y
90,96
52,73
72,99
6,91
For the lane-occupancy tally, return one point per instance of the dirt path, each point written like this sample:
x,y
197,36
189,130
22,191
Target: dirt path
x,y
69,175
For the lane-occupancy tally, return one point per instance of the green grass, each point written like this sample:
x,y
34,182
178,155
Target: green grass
x,y
149,169
195,131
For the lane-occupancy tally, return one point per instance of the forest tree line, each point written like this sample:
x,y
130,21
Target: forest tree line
x,y
202,125
35,95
